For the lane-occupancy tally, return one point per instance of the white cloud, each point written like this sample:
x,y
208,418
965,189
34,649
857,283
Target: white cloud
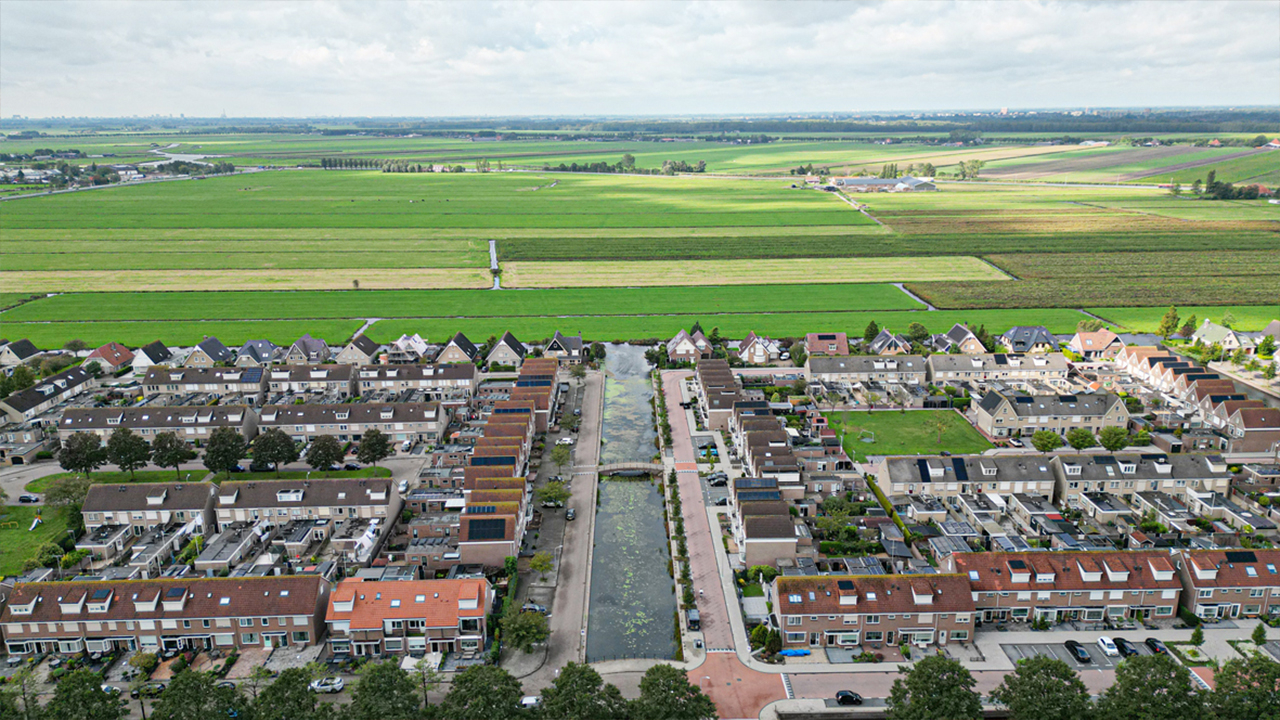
x,y
450,58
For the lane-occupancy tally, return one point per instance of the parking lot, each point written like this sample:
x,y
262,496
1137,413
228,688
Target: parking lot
x,y
1059,650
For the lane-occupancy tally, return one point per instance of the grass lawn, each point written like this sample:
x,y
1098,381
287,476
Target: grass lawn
x,y
752,590
1147,319
39,485
906,433
368,472
17,543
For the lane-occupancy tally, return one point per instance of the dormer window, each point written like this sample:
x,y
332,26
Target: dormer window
x,y
289,496
1128,468
1072,469
989,470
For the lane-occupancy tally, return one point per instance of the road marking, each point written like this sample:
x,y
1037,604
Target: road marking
x,y
786,685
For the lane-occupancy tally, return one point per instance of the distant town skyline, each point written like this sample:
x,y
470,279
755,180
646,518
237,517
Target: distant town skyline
x,y
280,59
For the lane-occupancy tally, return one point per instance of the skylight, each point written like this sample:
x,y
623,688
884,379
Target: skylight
x,y
395,602
1251,571
224,601
973,575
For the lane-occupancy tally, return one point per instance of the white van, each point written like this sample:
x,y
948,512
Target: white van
x,y
407,446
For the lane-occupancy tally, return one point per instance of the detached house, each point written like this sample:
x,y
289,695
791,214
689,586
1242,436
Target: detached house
x,y
208,353
1100,345
959,339
111,357
507,351
826,344
758,350
1210,333
407,349
257,353
688,348
568,349
409,617
1029,339
887,343
307,350
17,352
360,351
459,350
154,354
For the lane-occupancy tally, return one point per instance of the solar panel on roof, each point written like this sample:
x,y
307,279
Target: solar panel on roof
x,y
174,592
1105,460
923,466
962,473
100,594
1241,556
1017,565
844,584
1066,398
1024,399
487,529
481,509
1154,457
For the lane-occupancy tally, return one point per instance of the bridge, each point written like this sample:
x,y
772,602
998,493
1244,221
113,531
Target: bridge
x,y
655,468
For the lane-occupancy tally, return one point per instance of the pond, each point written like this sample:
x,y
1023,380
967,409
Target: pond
x,y
633,601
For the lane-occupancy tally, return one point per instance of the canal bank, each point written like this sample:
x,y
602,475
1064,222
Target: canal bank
x,y
632,594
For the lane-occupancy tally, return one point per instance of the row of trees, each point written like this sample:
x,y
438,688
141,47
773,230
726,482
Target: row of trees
x,y
1113,439
1213,189
1151,687
383,691
84,452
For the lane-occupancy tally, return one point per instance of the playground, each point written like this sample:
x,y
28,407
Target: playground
x,y
913,432
19,540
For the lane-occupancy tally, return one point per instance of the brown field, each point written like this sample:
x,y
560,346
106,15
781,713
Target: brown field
x,y
951,157
152,280
1231,263
641,273
1100,222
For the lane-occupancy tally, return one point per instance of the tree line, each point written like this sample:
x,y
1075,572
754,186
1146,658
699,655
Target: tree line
x,y
628,165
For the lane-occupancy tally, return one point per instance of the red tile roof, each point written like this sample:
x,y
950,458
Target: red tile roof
x,y
434,601
994,571
874,594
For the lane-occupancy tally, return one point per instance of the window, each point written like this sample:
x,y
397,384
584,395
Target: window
x,y
794,620
960,635
186,624
206,623
873,619
873,636
301,637
266,622
850,619
249,638
795,637
1164,610
1206,593
1256,592
246,622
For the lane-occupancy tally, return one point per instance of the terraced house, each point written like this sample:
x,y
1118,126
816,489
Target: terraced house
x,y
1125,474
1050,368
337,380
27,404
248,381
438,382
368,618
947,477
864,369
280,501
189,423
1230,583
1016,415
156,615
868,612
1061,586
419,422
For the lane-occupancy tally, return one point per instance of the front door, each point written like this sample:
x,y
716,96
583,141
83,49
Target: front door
x,y
888,638
814,639
1235,610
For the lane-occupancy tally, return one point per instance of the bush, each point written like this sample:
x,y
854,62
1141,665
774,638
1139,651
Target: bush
x,y
1188,618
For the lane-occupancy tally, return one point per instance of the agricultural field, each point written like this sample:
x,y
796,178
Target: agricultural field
x,y
905,433
1114,164
1147,319
177,332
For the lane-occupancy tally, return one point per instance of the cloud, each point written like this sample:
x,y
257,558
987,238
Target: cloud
x,y
568,58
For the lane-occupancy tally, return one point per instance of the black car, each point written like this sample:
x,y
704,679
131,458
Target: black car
x,y
150,689
848,697
1078,652
721,502
351,466
237,469
1126,648
1157,647
261,467
28,499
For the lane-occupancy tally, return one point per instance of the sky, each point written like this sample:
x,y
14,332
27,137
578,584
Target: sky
x,y
430,59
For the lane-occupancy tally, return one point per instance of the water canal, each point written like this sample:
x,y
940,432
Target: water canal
x,y
633,600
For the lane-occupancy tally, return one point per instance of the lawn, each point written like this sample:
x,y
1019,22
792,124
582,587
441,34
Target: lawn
x,y
106,477
905,433
179,332
1147,319
17,543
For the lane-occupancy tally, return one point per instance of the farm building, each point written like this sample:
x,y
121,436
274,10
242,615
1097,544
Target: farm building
x,y
874,184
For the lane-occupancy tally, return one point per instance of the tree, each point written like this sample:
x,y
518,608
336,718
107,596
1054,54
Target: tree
x,y
1266,346
1197,636
128,451
1188,327
383,691
523,630
553,492
429,675
667,694
325,452
225,450
917,333
1043,688
1080,438
937,687
1175,189
483,692
195,695
67,491
82,453
1046,441
1228,319
628,161
290,698
541,563
871,332
1269,372
578,372
1247,689
1168,323
79,696
276,448
937,421
76,346
94,368
20,695
1151,687
375,447
1260,634
578,693
1113,438
561,455
169,450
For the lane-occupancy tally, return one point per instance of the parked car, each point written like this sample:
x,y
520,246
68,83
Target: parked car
x,y
570,514
1157,647
848,697
149,689
237,469
351,466
1126,648
534,607
552,504
1108,646
721,502
226,685
407,446
577,412
565,441
403,486
331,684
261,467
718,482
1078,652
1015,442
28,498
111,689
529,702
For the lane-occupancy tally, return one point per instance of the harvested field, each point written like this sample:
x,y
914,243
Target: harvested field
x,y
745,272
1230,263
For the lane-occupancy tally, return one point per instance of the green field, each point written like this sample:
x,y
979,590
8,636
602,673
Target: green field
x,y
109,477
905,433
179,332
19,544
1147,319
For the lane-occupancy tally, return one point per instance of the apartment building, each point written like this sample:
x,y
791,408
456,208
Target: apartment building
x,y
247,381
1013,414
193,424
1125,474
164,614
376,618
946,477
1230,583
417,422
438,382
867,369
338,380
1061,586
872,611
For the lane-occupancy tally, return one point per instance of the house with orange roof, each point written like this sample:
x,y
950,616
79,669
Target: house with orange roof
x,y
111,357
368,618
1230,583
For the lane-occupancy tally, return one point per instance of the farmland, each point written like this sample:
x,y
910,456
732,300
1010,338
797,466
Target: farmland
x,y
1147,319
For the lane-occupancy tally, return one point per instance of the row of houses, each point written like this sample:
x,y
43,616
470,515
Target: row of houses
x,y
868,612
914,370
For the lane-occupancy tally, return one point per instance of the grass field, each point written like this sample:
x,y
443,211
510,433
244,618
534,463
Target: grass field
x,y
1147,319
905,433
17,543
178,332
108,477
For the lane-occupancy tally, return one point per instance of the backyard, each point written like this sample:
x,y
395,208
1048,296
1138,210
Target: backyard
x,y
18,542
905,433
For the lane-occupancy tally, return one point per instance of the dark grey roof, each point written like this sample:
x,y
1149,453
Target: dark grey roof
x,y
315,493
365,345
152,416
568,343
1052,405
263,351
769,527
510,341
312,348
214,348
847,364
464,345
1021,338
22,348
357,413
167,376
51,387
886,340
156,352
176,496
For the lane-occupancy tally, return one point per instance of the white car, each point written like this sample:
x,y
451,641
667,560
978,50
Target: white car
x,y
565,441
528,702
327,685
1108,646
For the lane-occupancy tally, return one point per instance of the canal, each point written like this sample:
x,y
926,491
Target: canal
x,y
633,602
